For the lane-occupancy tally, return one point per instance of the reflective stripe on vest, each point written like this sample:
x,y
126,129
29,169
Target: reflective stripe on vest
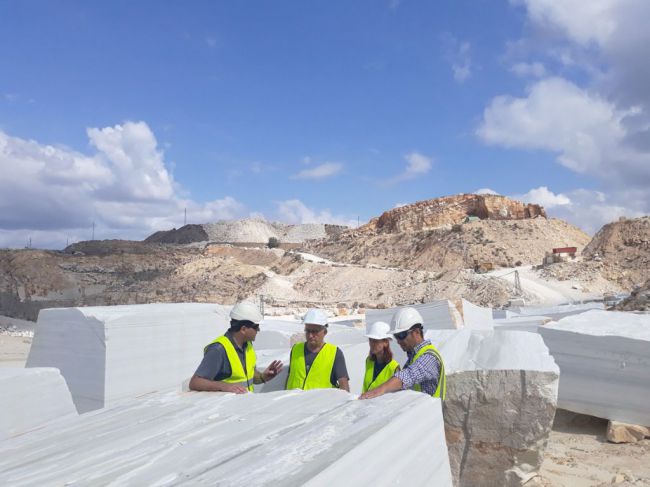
x,y
237,375
386,373
319,373
441,390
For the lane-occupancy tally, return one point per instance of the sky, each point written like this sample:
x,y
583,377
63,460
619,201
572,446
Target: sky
x,y
124,118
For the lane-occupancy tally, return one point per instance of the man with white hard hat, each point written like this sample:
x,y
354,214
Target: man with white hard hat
x,y
315,364
228,363
424,370
380,365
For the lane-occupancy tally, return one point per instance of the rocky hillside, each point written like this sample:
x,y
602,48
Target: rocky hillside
x,y
639,300
250,230
450,210
624,249
437,235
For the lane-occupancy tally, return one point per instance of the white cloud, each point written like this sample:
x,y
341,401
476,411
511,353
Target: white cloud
x,y
295,212
586,208
586,131
416,165
583,22
544,197
485,191
55,193
457,53
322,171
529,70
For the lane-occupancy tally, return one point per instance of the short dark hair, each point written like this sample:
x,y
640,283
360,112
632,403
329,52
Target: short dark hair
x,y
235,325
418,326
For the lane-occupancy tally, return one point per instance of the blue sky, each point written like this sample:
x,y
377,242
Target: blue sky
x,y
126,113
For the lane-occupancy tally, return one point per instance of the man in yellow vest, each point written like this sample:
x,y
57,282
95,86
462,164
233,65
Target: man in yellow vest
x,y
424,370
228,363
315,364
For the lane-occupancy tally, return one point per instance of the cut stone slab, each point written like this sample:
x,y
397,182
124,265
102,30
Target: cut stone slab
x,y
30,398
437,315
476,317
313,438
109,353
618,432
604,357
501,399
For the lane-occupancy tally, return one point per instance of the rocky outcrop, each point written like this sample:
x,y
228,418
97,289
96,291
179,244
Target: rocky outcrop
x,y
450,210
639,300
501,397
184,235
624,249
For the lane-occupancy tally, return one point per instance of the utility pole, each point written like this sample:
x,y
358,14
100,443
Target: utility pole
x,y
30,242
93,231
185,218
518,290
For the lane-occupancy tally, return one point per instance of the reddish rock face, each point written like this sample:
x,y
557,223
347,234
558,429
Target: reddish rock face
x,y
451,210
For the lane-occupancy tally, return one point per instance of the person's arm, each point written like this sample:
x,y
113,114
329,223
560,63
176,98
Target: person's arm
x,y
201,384
269,373
393,384
214,364
344,383
340,371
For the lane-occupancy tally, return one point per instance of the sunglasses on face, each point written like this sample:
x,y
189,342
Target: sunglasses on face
x,y
309,331
254,326
401,335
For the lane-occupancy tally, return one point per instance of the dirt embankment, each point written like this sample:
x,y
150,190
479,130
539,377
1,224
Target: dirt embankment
x,y
31,280
503,243
624,249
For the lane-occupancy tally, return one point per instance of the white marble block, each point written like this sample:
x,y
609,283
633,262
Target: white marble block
x,y
109,353
30,398
501,399
604,357
437,315
314,438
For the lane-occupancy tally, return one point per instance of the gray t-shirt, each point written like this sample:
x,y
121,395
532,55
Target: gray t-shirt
x,y
215,364
339,370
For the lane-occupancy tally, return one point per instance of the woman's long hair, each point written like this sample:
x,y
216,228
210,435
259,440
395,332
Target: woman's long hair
x,y
386,354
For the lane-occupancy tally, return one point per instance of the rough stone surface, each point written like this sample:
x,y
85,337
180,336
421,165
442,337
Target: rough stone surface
x,y
501,400
450,210
618,432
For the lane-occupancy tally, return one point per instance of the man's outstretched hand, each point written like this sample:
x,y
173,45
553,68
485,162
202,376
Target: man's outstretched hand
x,y
272,370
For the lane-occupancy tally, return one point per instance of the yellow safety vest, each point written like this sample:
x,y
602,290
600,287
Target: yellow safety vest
x,y
387,372
319,372
237,375
441,390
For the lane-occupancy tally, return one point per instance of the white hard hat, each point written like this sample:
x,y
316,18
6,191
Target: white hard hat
x,y
404,319
379,331
246,310
315,317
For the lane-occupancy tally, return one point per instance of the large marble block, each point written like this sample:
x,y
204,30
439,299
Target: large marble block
x,y
501,400
437,315
604,357
109,353
30,398
313,438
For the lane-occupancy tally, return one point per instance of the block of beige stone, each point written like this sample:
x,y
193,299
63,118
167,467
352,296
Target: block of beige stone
x,y
618,432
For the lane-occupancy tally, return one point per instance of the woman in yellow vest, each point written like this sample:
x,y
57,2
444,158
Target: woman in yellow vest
x,y
380,365
315,364
229,362
424,370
